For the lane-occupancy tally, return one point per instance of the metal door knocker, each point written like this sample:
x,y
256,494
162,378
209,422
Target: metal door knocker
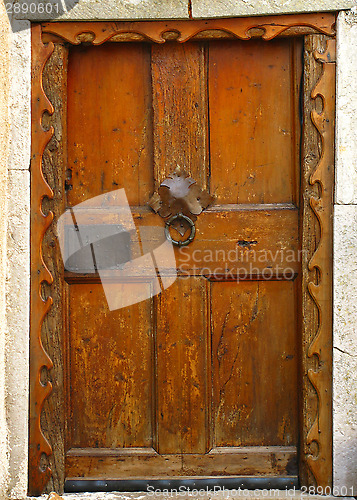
x,y
179,200
180,218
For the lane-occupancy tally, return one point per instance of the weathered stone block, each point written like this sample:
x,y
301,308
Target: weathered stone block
x,y
17,337
107,10
20,97
345,347
229,8
346,124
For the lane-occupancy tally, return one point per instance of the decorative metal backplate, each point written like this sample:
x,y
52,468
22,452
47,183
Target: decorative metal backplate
x,y
179,194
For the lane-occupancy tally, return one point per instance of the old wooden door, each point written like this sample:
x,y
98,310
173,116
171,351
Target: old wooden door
x,y
201,380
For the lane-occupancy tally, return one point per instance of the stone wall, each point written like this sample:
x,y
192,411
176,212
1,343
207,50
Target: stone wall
x,y
4,142
345,257
18,257
14,180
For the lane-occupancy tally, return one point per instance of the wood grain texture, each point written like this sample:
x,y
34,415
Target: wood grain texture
x,y
183,367
254,404
111,402
252,121
317,199
236,237
180,110
321,291
270,27
39,307
109,101
245,461
54,166
248,232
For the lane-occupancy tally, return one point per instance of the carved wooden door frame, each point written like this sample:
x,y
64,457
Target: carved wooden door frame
x,y
317,186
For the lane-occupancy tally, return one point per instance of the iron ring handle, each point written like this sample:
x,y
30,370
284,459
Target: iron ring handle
x,y
180,243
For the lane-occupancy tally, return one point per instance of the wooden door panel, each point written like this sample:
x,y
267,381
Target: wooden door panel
x,y
250,335
253,120
109,122
111,370
135,405
182,348
250,242
272,461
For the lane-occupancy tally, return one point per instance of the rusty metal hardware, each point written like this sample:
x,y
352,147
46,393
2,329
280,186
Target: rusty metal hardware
x,y
180,218
179,200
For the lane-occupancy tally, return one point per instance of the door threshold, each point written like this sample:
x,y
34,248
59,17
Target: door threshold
x,y
182,485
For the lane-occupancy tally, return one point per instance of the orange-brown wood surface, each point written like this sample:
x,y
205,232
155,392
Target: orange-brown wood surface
x,y
110,401
187,372
256,95
267,27
40,222
262,461
109,122
182,347
205,378
263,411
180,110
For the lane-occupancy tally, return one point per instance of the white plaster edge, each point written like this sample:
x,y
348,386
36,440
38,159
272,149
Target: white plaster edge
x,y
18,259
4,151
20,96
107,10
346,100
345,347
17,349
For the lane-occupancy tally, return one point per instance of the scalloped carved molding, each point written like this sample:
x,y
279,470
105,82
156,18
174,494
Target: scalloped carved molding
x,y
39,360
239,27
321,346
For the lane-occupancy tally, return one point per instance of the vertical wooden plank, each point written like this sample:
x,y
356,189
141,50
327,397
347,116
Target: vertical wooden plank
x,y
252,123
254,363
109,122
297,52
54,168
180,110
316,227
182,367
